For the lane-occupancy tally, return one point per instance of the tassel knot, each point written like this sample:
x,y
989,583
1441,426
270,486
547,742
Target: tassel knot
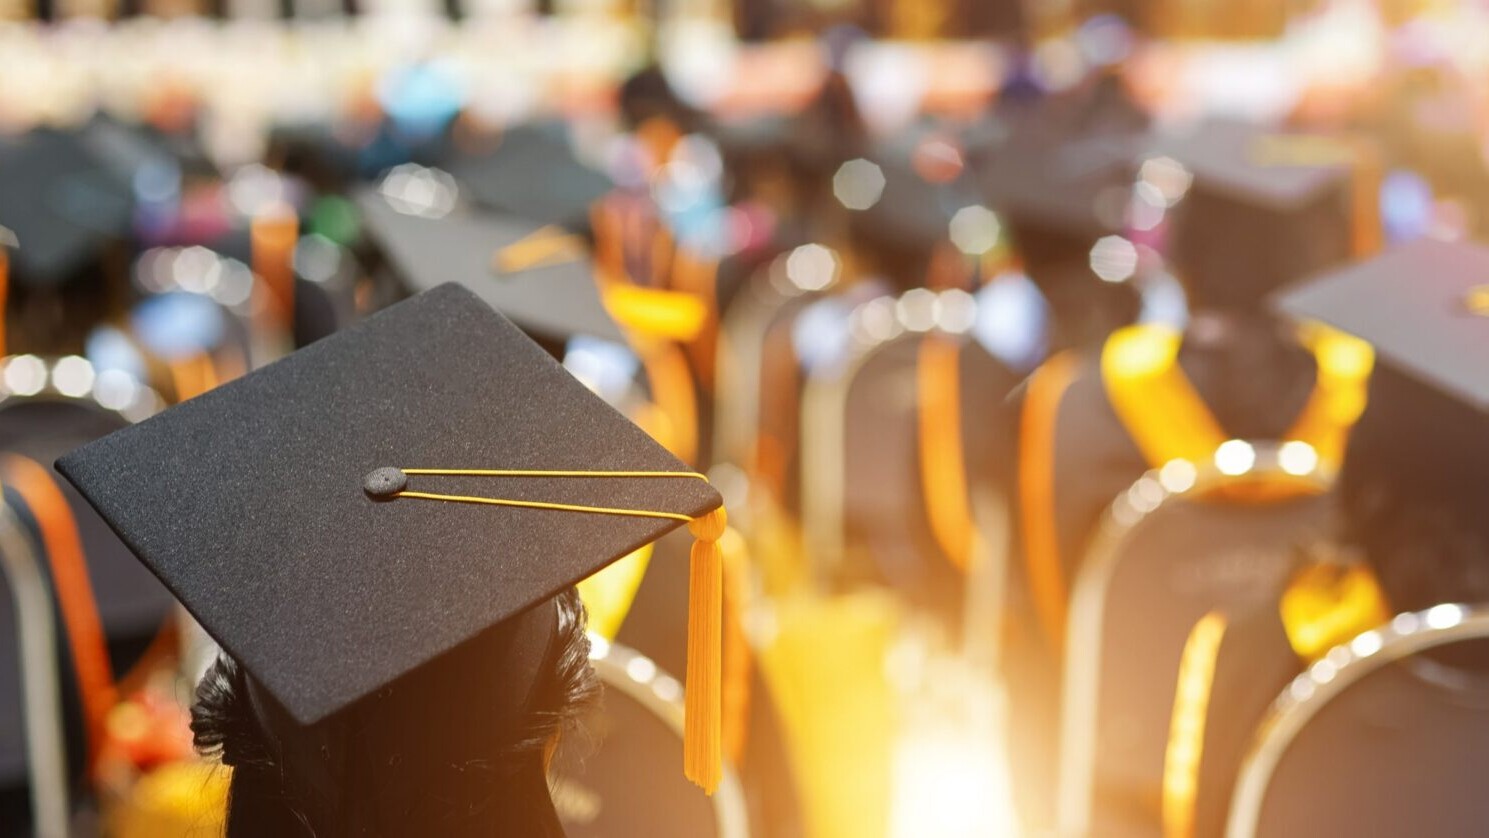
x,y
709,527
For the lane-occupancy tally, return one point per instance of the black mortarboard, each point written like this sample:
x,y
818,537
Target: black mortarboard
x,y
1265,208
540,277
912,212
64,199
290,512
1423,305
1058,167
533,174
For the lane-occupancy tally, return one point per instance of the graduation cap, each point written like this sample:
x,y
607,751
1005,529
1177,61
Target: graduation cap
x,y
1423,305
1059,183
1264,209
354,512
64,195
533,174
914,212
539,276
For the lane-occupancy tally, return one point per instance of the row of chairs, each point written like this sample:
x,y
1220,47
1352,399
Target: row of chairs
x,y
1168,554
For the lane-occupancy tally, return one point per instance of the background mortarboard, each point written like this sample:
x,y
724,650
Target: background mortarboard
x,y
533,174
913,214
1049,165
66,196
1265,208
1059,183
248,501
555,298
1257,165
1423,305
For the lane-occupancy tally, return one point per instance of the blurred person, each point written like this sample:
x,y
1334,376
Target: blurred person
x,y
1411,533
1093,422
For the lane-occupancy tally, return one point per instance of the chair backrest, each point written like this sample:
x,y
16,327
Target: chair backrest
x,y
1382,736
1172,548
41,734
738,362
826,404
48,407
625,776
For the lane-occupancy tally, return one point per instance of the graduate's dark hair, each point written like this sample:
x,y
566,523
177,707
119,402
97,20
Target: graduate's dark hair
x,y
1414,499
427,756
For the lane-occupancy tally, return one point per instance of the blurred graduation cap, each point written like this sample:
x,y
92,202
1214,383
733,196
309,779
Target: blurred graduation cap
x,y
1423,305
65,196
540,277
918,200
1264,208
326,518
533,174
1059,179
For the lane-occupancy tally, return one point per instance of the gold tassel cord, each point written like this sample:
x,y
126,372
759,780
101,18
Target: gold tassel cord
x,y
703,747
703,737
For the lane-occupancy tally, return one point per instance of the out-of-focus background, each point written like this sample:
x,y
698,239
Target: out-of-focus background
x,y
962,304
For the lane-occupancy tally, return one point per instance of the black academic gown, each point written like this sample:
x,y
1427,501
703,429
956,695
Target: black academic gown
x,y
887,521
1095,459
132,604
1253,665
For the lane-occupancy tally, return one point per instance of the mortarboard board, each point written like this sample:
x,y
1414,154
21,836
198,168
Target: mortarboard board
x,y
913,211
540,277
1050,164
1254,165
1423,305
1264,208
533,174
305,516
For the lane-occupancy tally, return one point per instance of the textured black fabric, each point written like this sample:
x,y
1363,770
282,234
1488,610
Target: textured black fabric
x,y
248,501
554,301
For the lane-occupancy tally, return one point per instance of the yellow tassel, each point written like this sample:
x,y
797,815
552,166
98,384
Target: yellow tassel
x,y
703,749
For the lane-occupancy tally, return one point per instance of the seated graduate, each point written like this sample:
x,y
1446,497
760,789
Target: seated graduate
x,y
1412,527
1254,215
402,645
1056,168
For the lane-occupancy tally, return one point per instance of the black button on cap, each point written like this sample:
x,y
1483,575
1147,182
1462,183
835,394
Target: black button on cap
x,y
384,483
